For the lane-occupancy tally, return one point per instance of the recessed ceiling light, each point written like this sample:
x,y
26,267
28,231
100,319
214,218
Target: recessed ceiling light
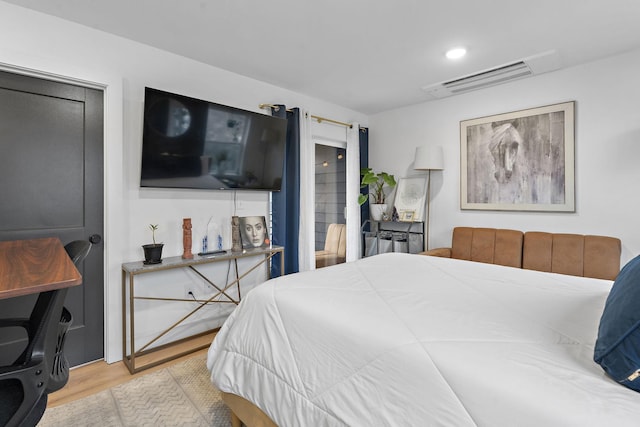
x,y
456,53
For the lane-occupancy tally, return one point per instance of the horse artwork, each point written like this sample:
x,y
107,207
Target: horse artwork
x,y
504,144
519,161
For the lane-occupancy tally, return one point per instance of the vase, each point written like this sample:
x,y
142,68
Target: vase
x,y
377,211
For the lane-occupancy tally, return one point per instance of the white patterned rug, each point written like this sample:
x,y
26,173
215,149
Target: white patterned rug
x,y
180,395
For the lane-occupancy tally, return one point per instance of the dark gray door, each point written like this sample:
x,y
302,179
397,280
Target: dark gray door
x,y
51,184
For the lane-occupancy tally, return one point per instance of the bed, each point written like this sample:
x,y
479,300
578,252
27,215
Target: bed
x,y
400,339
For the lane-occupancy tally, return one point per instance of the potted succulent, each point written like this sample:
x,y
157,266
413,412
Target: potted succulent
x,y
153,251
376,181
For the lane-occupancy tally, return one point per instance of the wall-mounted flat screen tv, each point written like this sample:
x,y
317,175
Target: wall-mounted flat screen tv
x,y
191,143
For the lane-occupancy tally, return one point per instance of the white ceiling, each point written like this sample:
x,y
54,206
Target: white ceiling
x,y
368,55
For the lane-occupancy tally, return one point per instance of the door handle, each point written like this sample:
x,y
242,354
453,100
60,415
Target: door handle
x,y
95,239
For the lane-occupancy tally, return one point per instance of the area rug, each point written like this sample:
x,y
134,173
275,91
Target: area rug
x,y
179,395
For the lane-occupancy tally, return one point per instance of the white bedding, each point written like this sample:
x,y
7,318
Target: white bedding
x,y
413,340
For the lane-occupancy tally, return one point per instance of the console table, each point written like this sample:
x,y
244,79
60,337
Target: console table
x,y
132,269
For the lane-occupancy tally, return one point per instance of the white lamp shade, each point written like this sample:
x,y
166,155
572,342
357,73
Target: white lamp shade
x,y
429,158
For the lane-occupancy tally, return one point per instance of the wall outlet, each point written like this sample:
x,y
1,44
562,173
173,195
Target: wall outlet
x,y
189,292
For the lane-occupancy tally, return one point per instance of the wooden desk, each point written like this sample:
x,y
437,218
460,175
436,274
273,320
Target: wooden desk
x,y
34,266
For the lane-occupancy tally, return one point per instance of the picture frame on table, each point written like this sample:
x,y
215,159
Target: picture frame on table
x,y
253,232
519,161
410,198
407,216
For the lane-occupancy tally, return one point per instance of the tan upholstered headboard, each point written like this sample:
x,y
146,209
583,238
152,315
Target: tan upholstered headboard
x,y
574,254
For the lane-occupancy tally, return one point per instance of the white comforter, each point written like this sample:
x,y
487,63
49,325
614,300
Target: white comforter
x,y
410,340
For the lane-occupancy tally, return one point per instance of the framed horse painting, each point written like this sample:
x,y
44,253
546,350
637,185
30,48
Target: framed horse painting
x,y
519,161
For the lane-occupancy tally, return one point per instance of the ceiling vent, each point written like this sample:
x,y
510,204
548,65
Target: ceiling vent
x,y
505,73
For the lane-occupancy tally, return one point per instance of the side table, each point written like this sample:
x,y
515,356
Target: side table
x,y
132,269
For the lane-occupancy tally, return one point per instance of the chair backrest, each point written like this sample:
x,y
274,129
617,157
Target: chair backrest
x,y
33,368
336,240
78,250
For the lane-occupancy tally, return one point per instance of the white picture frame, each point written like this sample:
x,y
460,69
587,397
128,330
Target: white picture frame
x,y
253,232
410,198
407,216
519,161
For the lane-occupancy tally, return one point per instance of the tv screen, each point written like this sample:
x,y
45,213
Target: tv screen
x,y
191,143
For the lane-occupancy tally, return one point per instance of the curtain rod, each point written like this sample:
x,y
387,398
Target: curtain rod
x,y
274,106
318,118
323,119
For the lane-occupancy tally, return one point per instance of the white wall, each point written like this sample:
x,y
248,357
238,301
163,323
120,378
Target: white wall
x,y
45,44
607,149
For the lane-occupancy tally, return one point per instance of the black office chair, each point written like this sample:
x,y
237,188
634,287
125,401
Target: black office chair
x,y
42,367
77,251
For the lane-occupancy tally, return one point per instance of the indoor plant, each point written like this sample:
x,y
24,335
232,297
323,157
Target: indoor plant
x,y
153,251
376,181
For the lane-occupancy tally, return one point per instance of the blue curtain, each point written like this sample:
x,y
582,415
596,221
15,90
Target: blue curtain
x,y
286,202
364,162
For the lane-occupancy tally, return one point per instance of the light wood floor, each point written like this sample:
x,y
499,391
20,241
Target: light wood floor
x,y
97,376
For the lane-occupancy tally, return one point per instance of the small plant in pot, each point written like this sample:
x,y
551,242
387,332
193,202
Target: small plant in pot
x,y
376,181
153,251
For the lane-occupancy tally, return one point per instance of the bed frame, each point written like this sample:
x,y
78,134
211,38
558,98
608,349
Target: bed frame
x,y
243,411
603,256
